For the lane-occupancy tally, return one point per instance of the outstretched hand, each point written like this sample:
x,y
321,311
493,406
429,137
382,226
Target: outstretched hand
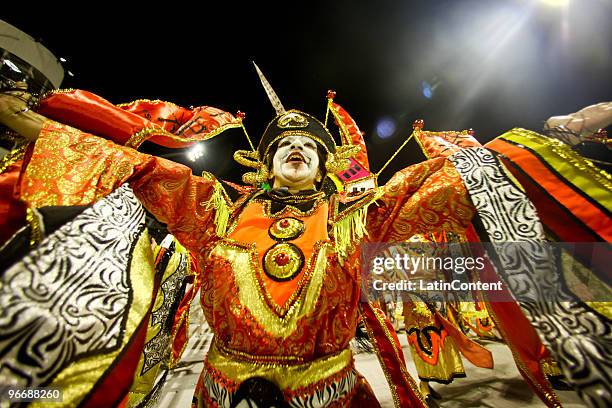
x,y
582,125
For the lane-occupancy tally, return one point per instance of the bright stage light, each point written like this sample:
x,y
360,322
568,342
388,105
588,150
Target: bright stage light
x,y
556,3
196,152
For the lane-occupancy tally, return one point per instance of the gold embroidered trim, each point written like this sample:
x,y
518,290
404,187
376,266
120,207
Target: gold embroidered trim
x,y
252,294
139,137
55,91
288,210
550,368
219,202
291,120
286,229
294,133
286,377
36,229
297,199
120,105
258,358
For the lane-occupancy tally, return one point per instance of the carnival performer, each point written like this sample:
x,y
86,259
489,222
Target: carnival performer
x,y
280,267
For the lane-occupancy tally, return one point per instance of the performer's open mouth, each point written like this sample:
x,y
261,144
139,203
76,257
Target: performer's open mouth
x,y
296,157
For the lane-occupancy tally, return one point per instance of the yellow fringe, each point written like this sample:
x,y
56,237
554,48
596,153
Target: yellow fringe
x,y
222,210
348,230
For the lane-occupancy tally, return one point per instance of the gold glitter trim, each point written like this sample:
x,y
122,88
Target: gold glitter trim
x,y
254,297
259,358
288,209
120,105
55,91
139,137
297,199
558,155
286,377
36,233
14,155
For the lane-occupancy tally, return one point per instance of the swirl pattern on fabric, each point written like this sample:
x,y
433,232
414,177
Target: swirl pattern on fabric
x,y
579,338
52,316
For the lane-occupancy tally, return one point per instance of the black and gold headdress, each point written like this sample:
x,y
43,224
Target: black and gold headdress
x,y
291,123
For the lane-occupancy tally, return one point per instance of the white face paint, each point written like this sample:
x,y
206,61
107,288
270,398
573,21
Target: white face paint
x,y
295,163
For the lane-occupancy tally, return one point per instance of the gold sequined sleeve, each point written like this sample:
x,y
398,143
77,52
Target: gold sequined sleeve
x,y
422,198
70,167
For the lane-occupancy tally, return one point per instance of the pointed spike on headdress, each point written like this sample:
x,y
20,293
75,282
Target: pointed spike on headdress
x,y
276,103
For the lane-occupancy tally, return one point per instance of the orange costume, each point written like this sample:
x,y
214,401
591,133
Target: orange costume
x,y
281,275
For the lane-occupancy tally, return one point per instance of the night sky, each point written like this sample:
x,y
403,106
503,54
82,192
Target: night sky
x,y
486,65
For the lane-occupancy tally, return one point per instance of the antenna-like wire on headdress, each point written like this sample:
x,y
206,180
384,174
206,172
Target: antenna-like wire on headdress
x,y
416,127
276,103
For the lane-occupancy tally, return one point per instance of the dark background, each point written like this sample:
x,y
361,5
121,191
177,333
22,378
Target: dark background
x,y
490,65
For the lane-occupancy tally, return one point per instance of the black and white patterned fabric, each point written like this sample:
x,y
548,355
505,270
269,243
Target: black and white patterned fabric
x,y
329,394
319,399
579,338
70,297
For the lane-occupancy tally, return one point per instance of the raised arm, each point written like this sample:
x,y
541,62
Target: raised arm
x,y
419,199
70,167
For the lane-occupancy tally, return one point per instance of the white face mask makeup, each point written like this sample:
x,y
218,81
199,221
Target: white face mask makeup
x,y
295,163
